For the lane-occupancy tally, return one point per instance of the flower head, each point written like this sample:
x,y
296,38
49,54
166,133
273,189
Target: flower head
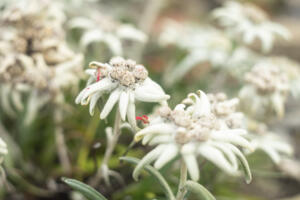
x,y
250,22
192,131
124,81
34,55
266,91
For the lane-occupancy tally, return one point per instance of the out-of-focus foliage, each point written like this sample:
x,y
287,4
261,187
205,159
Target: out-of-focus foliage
x,y
235,54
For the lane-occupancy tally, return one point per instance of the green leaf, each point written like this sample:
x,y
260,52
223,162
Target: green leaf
x,y
86,190
154,172
199,190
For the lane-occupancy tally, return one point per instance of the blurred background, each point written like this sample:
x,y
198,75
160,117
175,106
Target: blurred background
x,y
52,137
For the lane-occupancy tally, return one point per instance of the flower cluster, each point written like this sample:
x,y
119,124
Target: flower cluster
x,y
125,81
266,90
34,53
249,22
192,131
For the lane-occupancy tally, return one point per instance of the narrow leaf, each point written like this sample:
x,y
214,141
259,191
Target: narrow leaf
x,y
154,172
86,190
199,190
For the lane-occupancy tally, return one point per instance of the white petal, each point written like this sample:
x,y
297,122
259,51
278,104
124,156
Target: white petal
x,y
227,136
100,86
151,86
90,72
192,166
114,44
131,111
274,155
154,129
183,67
127,31
147,96
158,139
150,157
230,155
91,36
217,157
205,104
5,101
112,100
17,100
123,104
81,22
170,151
93,103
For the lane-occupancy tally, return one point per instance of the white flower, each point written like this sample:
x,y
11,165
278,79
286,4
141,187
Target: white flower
x,y
266,91
35,57
289,67
250,22
125,82
203,44
100,28
192,131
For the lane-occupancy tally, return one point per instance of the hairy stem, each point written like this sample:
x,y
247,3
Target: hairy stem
x,y
60,142
183,178
103,171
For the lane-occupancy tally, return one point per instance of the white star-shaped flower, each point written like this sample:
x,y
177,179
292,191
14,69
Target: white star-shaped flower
x,y
125,82
250,22
193,131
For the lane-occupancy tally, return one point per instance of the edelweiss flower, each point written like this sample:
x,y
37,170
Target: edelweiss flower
x,y
100,28
192,131
250,22
203,44
125,81
291,69
265,92
274,145
35,57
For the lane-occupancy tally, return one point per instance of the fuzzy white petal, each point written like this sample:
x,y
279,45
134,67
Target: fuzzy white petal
x,y
131,110
123,104
112,100
227,136
93,103
217,157
192,166
154,129
149,96
171,150
150,157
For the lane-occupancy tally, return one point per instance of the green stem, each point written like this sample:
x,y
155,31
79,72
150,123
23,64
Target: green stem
x,y
183,178
110,147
